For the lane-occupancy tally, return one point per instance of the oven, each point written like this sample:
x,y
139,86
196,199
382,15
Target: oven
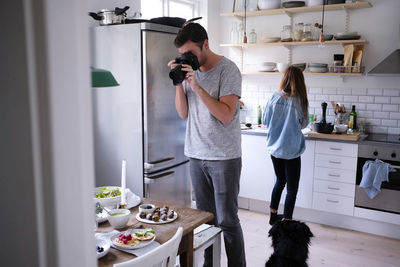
x,y
388,200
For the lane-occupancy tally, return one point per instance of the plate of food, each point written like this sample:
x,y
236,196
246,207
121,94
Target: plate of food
x,y
158,216
102,247
133,239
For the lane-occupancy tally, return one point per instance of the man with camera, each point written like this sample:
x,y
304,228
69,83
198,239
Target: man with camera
x,y
208,88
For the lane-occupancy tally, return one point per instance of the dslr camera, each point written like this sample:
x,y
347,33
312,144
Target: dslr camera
x,y
177,74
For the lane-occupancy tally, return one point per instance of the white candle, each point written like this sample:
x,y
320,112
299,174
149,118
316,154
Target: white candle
x,y
123,182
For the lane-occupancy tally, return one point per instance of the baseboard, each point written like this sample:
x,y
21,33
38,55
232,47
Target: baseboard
x,y
327,218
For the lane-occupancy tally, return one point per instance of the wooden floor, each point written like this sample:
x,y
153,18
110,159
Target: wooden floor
x,y
330,247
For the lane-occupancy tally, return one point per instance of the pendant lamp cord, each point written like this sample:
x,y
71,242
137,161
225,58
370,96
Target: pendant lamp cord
x,y
323,15
245,4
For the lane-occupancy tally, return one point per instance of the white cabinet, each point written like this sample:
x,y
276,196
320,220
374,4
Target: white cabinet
x,y
305,192
335,177
304,195
258,176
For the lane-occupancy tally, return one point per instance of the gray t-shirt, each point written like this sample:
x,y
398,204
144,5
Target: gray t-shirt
x,y
208,138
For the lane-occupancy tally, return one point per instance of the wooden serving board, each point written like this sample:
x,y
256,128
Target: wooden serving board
x,y
334,136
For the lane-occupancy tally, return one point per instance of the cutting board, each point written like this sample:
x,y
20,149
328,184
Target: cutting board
x,y
334,136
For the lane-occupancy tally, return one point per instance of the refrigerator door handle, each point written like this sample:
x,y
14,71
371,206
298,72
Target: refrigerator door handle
x,y
159,177
156,164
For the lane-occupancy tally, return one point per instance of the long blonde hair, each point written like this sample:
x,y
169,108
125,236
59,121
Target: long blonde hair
x,y
292,84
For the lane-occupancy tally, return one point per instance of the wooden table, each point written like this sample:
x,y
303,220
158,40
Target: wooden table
x,y
188,218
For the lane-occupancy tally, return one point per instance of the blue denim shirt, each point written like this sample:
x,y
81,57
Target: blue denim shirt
x,y
284,120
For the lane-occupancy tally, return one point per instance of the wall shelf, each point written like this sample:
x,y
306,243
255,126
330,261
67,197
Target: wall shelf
x,y
295,10
305,73
333,42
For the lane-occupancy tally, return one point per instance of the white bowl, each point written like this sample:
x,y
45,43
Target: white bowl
x,y
269,4
282,66
148,208
346,33
104,244
318,69
340,128
271,39
267,68
120,217
268,64
109,202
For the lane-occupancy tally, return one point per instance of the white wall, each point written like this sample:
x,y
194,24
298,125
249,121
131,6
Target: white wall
x,y
46,155
377,99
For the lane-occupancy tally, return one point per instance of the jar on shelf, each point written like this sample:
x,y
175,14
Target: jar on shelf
x,y
286,33
252,37
307,36
298,31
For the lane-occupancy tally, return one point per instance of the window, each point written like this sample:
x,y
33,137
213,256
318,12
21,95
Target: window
x,y
170,8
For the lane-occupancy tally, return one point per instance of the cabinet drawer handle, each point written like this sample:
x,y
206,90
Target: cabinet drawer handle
x,y
336,162
333,175
334,148
332,201
333,188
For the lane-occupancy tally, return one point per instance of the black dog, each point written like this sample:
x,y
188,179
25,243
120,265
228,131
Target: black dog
x,y
290,240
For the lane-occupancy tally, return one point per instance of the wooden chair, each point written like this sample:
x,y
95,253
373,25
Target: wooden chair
x,y
164,255
204,237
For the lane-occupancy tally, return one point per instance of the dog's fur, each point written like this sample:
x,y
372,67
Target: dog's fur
x,y
290,240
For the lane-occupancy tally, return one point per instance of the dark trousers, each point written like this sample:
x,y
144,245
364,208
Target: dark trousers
x,y
287,172
216,188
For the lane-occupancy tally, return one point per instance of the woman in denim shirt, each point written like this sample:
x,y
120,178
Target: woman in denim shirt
x,y
285,114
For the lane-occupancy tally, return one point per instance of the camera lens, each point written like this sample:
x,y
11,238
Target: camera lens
x,y
177,75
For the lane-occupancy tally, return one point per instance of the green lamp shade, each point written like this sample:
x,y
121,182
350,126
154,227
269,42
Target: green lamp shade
x,y
102,78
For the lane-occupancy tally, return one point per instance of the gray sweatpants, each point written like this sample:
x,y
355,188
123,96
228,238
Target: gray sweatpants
x,y
216,189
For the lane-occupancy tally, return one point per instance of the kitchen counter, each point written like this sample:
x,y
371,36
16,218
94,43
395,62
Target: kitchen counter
x,y
263,132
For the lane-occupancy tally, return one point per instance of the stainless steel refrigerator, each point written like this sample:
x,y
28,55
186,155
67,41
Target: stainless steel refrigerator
x,y
137,120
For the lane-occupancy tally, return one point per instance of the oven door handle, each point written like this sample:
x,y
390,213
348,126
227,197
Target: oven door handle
x,y
395,166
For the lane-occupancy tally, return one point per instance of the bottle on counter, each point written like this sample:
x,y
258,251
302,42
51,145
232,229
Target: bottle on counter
x,y
259,115
353,118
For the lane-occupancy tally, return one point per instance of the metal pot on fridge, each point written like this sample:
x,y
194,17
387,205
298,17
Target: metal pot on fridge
x,y
323,126
110,17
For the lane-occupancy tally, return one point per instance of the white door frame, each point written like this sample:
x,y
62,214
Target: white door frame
x,y
57,47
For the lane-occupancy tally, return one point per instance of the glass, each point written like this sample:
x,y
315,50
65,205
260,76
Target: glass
x,y
315,33
286,34
307,33
298,31
234,34
252,37
240,39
